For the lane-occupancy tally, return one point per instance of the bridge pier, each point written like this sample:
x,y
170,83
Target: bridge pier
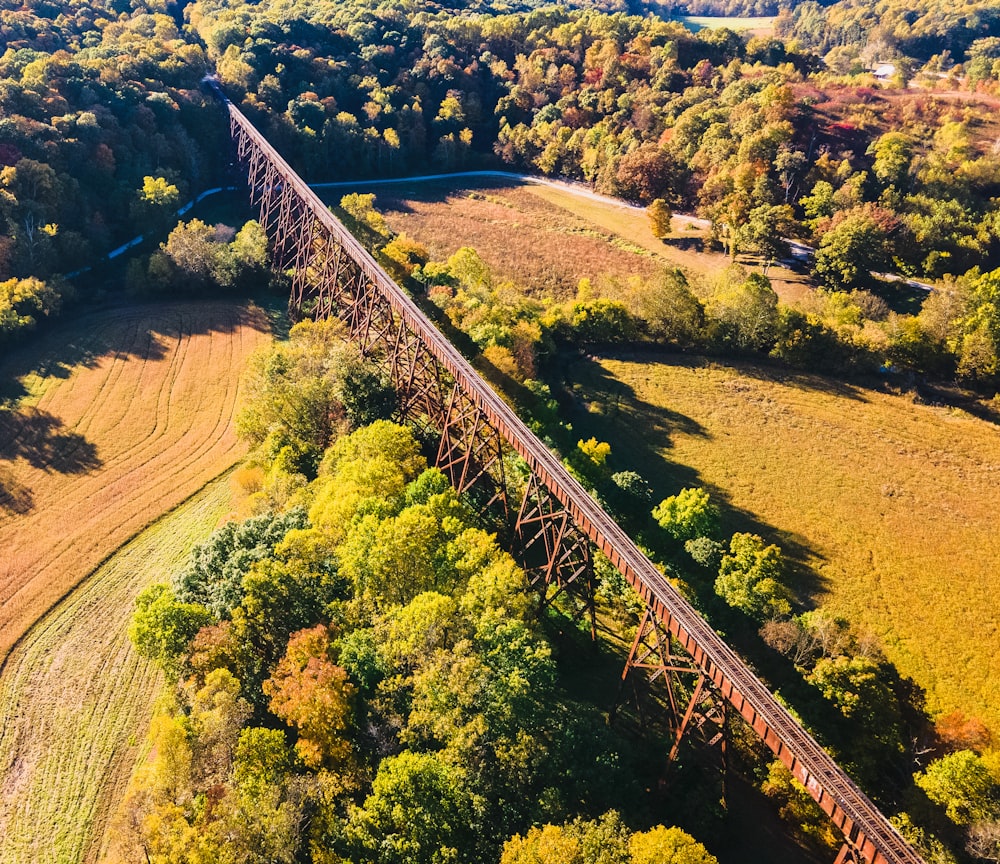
x,y
694,704
555,554
471,451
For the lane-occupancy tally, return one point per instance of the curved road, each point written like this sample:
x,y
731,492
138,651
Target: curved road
x,y
800,252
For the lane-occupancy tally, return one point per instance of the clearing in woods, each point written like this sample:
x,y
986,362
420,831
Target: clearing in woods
x,y
887,506
111,421
77,699
568,237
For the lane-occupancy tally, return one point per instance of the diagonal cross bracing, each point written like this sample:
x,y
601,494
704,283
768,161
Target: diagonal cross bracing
x,y
868,833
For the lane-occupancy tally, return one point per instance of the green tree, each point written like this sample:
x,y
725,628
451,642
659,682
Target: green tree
x,y
600,841
215,571
744,309
550,844
162,627
192,247
22,302
750,578
671,311
296,393
856,686
764,233
364,220
860,241
892,154
279,598
962,784
662,845
418,812
218,712
978,347
687,515
402,256
157,199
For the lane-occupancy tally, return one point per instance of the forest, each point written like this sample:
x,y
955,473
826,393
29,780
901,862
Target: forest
x,y
356,671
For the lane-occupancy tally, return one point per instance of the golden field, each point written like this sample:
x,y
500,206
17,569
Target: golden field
x,y
546,239
888,507
111,421
77,698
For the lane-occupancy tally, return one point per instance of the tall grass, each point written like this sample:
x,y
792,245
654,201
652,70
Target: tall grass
x,y
886,506
76,698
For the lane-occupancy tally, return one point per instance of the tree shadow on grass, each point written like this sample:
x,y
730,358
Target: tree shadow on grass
x,y
15,497
685,244
641,435
398,198
146,333
42,441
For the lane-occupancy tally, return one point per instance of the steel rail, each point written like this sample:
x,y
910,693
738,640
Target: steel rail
x,y
865,828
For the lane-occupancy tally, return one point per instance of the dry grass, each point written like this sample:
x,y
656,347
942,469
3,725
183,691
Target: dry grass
x,y
889,507
500,222
76,698
569,237
130,415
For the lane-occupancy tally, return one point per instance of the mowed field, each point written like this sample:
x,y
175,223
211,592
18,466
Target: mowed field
x,y
889,508
109,422
76,698
547,239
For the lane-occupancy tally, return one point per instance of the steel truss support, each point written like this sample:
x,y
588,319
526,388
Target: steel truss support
x,y
555,554
422,385
471,450
315,279
849,854
694,706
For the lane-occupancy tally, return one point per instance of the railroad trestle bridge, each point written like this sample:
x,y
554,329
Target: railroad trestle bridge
x,y
556,523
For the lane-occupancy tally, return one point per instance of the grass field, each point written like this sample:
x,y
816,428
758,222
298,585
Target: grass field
x,y
757,26
887,507
76,698
109,422
569,238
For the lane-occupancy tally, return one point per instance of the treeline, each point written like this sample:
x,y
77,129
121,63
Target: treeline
x,y
358,672
888,29
838,331
103,133
748,134
753,134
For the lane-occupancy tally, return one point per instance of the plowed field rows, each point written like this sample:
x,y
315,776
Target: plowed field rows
x,y
76,698
119,418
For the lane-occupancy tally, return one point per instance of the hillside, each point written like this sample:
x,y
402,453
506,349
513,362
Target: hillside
x,y
111,420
